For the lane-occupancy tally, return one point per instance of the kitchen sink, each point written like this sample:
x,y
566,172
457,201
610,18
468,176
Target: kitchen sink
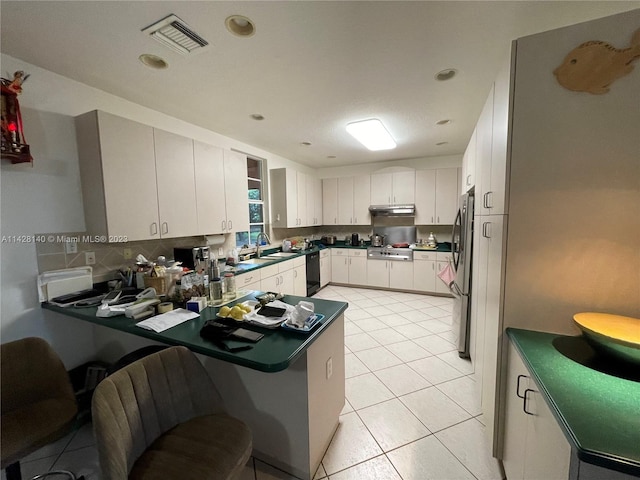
x,y
255,261
281,254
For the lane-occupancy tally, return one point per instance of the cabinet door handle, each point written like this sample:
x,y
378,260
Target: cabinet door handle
x,y
230,225
518,386
485,200
524,401
486,229
431,219
165,228
154,228
438,218
469,179
223,225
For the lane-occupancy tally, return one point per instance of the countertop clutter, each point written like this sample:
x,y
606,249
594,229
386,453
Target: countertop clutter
x,y
596,403
275,352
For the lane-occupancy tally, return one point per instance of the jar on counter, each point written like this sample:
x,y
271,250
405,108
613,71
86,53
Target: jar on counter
x,y
229,286
215,291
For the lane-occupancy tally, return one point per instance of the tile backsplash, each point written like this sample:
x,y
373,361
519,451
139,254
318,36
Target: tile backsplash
x,y
109,256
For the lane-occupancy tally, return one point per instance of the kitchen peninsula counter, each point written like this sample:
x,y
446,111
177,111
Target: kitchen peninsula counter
x,y
596,403
289,388
276,351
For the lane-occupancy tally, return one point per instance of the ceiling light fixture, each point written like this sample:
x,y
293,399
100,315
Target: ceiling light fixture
x,y
306,144
372,134
439,144
446,74
257,116
240,26
443,122
153,61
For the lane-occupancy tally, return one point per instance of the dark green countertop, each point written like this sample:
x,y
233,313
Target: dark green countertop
x,y
278,349
247,267
596,403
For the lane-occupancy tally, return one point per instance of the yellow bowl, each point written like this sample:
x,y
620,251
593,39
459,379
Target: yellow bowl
x,y
613,335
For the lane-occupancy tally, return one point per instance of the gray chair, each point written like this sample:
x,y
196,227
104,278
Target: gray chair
x,y
38,402
162,418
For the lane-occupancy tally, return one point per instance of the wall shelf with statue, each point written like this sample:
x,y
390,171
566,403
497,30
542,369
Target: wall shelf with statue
x,y
14,146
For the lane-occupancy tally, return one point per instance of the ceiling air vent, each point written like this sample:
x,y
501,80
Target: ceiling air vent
x,y
175,34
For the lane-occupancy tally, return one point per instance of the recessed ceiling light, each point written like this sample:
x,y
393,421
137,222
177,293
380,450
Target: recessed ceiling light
x,y
240,26
447,74
153,61
443,122
372,134
306,144
439,144
257,116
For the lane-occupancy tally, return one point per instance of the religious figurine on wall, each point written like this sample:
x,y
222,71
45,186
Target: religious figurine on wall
x,y
13,147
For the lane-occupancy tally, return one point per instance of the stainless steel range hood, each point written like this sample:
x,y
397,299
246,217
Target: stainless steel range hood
x,y
393,210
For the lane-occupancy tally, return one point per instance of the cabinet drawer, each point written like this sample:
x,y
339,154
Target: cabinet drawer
x,y
269,271
425,256
325,253
357,253
246,279
339,252
300,261
443,256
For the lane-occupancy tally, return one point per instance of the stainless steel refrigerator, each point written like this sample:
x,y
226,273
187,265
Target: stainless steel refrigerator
x,y
461,251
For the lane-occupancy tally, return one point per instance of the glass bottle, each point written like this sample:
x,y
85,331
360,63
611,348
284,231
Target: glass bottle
x,y
229,286
215,291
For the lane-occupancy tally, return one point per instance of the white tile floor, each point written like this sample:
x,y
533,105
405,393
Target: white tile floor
x,y
411,409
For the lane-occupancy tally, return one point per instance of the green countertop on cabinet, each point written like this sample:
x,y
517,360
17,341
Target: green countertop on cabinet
x,y
278,349
596,403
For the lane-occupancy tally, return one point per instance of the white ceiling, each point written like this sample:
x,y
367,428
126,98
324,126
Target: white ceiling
x,y
311,67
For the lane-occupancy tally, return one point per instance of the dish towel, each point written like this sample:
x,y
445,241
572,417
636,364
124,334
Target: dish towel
x,y
447,275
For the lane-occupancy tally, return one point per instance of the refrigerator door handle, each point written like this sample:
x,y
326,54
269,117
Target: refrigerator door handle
x,y
455,251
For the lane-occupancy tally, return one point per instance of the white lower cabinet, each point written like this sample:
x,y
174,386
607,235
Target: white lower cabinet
x,y
534,445
299,276
325,267
390,273
248,281
424,271
349,266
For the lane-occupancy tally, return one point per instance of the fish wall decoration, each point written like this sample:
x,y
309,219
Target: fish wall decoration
x,y
593,66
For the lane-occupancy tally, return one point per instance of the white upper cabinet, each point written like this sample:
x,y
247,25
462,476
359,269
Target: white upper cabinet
x,y
446,195
361,200
221,189
175,181
345,201
329,201
118,170
314,201
137,181
354,200
425,197
210,188
469,165
436,196
393,188
492,165
290,199
236,191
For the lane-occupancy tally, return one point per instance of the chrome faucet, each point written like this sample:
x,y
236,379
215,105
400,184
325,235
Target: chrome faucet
x,y
266,237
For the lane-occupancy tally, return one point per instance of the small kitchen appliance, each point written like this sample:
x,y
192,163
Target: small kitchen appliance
x,y
328,240
355,239
377,240
192,257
